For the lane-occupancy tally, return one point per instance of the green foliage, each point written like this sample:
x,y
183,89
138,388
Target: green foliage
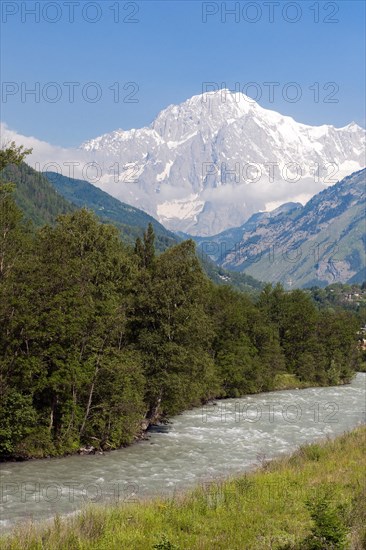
x,y
17,418
173,330
130,221
312,452
118,400
145,249
342,297
220,276
13,235
98,340
35,196
165,544
319,346
12,154
329,531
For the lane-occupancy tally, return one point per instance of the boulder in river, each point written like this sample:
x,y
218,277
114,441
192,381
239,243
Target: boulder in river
x,y
87,450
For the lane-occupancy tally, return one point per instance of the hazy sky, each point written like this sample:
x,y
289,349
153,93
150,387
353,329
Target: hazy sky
x,y
98,66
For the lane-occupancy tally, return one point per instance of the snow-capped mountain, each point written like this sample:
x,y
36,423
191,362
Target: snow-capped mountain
x,y
209,163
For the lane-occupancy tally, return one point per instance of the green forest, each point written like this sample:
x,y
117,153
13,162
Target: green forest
x,y
100,338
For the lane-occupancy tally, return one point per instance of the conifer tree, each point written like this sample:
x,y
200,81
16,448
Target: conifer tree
x,y
149,246
140,252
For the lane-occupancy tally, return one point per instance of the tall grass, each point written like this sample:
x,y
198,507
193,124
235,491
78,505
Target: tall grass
x,y
312,499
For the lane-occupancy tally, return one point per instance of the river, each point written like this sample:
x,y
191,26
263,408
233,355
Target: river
x,y
199,445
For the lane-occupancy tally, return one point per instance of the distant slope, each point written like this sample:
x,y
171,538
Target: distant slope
x,y
130,220
217,246
42,199
318,244
339,296
34,194
221,276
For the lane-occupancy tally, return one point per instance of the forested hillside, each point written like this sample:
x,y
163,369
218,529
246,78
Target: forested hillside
x,y
349,297
98,340
35,196
132,222
43,197
129,220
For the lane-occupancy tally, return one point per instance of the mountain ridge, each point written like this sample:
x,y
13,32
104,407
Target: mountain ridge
x,y
317,244
130,220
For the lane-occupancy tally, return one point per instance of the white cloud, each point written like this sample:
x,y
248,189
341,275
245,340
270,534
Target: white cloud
x,y
46,156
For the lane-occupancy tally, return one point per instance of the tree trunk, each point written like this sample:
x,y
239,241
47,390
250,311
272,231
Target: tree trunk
x,y
89,400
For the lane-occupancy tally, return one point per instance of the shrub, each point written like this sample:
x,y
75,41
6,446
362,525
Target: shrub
x,y
329,531
165,544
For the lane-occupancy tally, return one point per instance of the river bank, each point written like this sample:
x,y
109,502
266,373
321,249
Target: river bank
x,y
197,447
281,382
278,506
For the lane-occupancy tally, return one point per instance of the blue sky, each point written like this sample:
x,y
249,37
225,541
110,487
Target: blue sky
x,y
168,53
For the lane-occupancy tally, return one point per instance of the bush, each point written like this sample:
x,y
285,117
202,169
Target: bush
x,y
165,544
38,444
329,531
312,452
17,418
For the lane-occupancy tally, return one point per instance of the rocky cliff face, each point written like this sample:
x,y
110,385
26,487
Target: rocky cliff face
x,y
320,243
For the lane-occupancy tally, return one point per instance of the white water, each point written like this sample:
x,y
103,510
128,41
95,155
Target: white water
x,y
199,445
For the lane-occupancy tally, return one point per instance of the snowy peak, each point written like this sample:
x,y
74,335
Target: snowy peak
x,y
205,113
207,164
